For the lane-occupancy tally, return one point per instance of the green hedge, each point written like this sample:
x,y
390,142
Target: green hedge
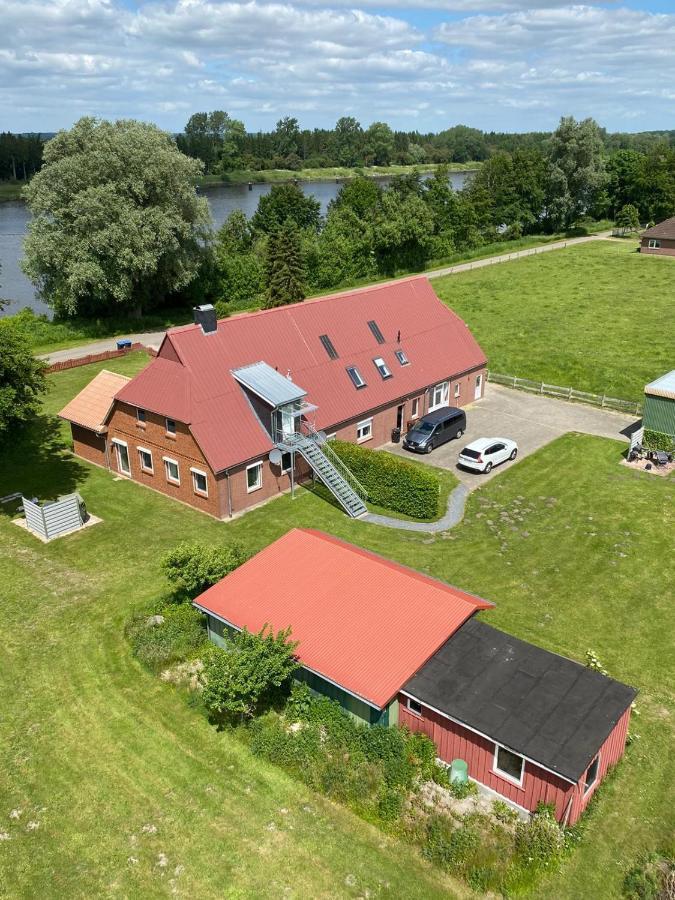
x,y
658,440
392,482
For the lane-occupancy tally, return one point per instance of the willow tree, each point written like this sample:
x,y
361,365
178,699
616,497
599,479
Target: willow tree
x,y
117,224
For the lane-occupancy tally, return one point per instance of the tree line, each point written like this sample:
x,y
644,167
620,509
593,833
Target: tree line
x,y
131,234
20,155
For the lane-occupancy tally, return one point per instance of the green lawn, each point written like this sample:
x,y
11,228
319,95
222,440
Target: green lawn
x,y
100,753
597,317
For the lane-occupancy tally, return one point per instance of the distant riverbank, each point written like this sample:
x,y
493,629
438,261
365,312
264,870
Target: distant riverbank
x,y
11,190
275,176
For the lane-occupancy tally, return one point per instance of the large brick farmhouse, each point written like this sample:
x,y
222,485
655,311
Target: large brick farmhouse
x,y
229,411
659,239
395,646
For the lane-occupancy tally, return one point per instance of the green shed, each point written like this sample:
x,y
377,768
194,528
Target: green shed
x,y
659,407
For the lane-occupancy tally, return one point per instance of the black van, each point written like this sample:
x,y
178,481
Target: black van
x,y
435,429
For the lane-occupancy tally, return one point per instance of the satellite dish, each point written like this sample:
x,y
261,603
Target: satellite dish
x,y
275,457
321,437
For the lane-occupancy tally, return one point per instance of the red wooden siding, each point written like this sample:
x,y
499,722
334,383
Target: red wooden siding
x,y
453,741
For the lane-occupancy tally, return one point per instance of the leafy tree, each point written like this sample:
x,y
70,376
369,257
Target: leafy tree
x,y
247,676
286,136
116,222
192,568
286,201
402,232
628,218
623,169
361,195
214,138
345,250
22,380
464,144
510,189
347,141
379,144
239,262
285,267
576,175
656,183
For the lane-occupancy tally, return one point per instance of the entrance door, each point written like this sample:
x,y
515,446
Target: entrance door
x,y
479,385
399,417
123,459
287,421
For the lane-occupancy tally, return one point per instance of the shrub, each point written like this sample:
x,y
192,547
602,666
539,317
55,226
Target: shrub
x,y
158,644
540,841
462,789
192,568
503,812
248,675
446,845
651,878
658,440
392,482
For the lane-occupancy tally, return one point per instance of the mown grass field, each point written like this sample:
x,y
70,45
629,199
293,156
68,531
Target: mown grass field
x,y
135,795
598,317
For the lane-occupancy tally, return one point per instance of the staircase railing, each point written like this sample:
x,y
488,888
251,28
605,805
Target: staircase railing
x,y
336,462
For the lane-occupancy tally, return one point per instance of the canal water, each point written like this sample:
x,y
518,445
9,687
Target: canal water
x,y
223,199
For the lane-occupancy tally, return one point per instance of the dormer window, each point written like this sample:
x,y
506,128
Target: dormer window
x,y
402,358
377,334
356,377
382,367
140,416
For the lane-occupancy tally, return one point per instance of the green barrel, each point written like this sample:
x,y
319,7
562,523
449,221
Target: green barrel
x,y
459,772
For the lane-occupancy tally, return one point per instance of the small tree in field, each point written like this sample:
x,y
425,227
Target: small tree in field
x,y
192,568
245,678
22,380
628,218
285,267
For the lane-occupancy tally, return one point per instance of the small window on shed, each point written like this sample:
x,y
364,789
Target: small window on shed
x,y
509,764
402,358
654,245
592,774
382,367
414,706
356,377
377,334
328,346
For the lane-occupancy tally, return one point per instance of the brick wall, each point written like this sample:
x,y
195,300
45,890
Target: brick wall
x,y
88,444
182,448
667,247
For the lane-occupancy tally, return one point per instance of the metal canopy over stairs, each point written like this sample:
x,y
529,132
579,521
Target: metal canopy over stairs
x,y
327,466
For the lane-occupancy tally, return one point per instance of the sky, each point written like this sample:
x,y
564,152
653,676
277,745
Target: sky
x,y
505,65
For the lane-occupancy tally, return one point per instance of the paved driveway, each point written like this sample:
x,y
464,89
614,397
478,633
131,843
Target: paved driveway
x,y
528,419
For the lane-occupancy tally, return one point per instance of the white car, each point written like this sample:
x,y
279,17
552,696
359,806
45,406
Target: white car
x,y
481,455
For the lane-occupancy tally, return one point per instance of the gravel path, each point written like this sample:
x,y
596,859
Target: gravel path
x,y
453,515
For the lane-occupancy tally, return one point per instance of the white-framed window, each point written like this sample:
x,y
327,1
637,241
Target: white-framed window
x,y
364,431
654,245
414,706
122,453
171,427
382,367
145,457
458,389
509,765
402,358
200,483
172,470
592,774
439,395
254,476
140,416
356,377
415,409
331,437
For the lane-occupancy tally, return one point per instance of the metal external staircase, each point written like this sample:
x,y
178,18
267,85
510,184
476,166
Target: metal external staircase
x,y
327,466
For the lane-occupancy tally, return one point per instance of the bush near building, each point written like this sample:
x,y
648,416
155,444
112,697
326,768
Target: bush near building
x,y
392,482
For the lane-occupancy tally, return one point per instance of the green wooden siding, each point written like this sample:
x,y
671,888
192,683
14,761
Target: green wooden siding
x,y
659,414
362,712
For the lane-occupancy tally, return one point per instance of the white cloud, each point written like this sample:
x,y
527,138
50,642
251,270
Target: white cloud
x,y
516,69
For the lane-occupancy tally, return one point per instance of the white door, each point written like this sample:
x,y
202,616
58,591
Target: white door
x,y
479,385
287,422
123,459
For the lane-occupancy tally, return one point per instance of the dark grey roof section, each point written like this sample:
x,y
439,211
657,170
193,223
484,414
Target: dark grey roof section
x,y
268,384
665,229
548,708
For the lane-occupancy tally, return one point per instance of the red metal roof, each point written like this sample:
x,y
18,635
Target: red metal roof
x,y
191,379
363,622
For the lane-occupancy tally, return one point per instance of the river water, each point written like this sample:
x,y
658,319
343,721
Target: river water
x,y
223,199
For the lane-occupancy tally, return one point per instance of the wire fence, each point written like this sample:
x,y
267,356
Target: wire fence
x,y
566,393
